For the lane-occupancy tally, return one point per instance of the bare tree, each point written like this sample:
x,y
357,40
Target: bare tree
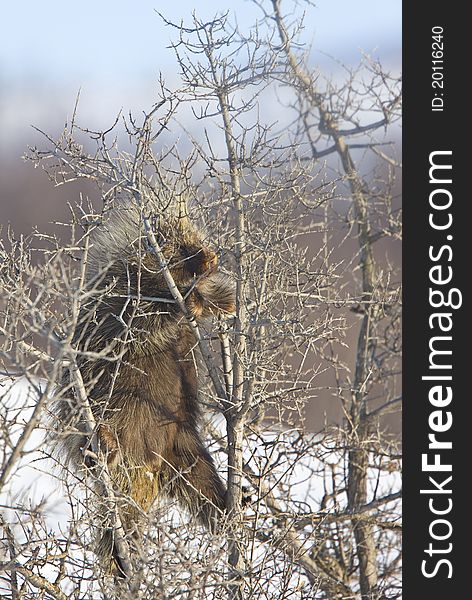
x,y
276,169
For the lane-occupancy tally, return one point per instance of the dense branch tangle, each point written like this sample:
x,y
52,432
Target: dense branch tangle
x,y
322,520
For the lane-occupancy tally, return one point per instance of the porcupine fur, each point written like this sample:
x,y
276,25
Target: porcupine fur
x,y
143,387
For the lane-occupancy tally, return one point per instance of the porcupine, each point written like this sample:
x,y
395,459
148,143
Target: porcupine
x,y
144,399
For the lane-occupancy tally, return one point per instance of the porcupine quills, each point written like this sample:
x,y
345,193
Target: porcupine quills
x,y
144,400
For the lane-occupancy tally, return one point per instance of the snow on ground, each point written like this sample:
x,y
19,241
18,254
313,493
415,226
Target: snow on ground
x,y
34,486
33,481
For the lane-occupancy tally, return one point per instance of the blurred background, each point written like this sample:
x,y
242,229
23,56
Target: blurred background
x,y
112,51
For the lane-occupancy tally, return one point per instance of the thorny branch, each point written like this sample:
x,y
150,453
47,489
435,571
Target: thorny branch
x,y
322,518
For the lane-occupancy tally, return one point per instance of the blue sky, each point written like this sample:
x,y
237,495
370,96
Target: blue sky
x,y
113,51
59,38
